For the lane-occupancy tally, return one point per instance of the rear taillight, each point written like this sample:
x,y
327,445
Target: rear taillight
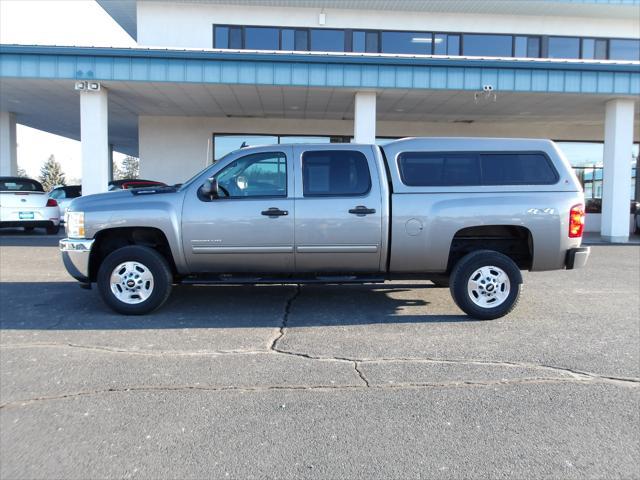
x,y
576,221
52,202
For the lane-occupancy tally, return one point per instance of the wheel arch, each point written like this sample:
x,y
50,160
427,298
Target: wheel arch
x,y
514,241
111,239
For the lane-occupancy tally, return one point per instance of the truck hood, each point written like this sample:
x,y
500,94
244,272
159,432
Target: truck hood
x,y
118,199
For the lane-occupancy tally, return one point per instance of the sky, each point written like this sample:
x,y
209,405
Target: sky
x,y
56,22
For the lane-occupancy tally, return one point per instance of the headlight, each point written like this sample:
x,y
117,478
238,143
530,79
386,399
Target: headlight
x,y
75,224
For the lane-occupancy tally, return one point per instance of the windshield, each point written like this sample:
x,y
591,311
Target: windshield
x,y
193,179
20,185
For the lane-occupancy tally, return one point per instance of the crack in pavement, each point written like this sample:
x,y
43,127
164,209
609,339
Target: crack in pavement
x,y
285,319
357,362
283,330
568,374
294,388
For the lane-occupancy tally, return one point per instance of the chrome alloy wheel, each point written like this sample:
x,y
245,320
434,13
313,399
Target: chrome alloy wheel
x,y
131,282
488,287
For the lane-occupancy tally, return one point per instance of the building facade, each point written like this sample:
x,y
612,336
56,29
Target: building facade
x,y
210,76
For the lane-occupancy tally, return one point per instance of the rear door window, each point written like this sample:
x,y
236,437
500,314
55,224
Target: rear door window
x,y
335,173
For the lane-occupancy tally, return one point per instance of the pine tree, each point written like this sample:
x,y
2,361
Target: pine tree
x,y
51,174
130,167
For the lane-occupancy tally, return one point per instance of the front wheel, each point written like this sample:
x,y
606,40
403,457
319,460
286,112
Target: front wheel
x,y
134,280
486,284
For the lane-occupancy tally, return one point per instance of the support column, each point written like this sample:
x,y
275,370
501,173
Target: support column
x,y
8,145
94,137
616,178
365,118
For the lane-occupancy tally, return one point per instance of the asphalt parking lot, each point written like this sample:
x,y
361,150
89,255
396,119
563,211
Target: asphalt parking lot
x,y
384,381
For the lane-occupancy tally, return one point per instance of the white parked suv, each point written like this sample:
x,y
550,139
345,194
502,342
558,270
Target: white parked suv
x,y
64,194
24,203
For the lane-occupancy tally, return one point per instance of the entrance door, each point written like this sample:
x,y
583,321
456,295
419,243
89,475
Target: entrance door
x,y
338,219
248,227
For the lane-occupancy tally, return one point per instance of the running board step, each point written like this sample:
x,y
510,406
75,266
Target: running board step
x,y
252,280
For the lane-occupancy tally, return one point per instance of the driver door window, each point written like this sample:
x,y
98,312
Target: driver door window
x,y
257,175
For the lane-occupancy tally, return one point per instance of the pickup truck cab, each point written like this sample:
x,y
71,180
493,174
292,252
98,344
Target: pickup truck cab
x,y
467,213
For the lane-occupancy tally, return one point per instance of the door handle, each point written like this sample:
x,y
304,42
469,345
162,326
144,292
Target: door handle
x,y
361,211
274,212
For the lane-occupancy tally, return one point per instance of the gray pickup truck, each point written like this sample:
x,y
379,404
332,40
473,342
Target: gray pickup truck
x,y
464,213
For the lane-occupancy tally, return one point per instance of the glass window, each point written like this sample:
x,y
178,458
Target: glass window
x,y
372,42
288,39
624,50
221,37
20,185
302,40
335,173
526,47
421,169
601,49
359,42
517,169
487,45
563,47
520,47
594,48
417,43
365,42
588,47
256,175
235,38
261,38
453,44
533,47
440,44
224,144
58,194
326,40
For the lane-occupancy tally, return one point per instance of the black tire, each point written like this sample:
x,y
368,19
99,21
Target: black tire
x,y
29,229
467,266
53,230
149,258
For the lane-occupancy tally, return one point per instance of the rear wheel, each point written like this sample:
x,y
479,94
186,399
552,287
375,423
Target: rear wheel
x,y
134,280
486,284
53,230
29,229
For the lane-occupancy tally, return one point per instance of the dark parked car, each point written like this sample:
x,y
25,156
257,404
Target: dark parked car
x,y
129,183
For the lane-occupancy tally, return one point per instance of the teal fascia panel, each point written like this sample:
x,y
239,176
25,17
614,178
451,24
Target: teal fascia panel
x,y
331,71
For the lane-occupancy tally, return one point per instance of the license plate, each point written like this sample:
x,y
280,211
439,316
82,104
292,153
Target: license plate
x,y
25,215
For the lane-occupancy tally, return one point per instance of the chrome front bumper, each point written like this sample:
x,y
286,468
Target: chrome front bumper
x,y
75,256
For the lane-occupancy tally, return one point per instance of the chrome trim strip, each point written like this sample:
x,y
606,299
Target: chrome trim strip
x,y
337,249
232,250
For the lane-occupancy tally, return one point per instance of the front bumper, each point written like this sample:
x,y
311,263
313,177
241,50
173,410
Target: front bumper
x,y
75,256
577,257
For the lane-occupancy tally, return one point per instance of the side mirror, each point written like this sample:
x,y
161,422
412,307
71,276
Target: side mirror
x,y
210,188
